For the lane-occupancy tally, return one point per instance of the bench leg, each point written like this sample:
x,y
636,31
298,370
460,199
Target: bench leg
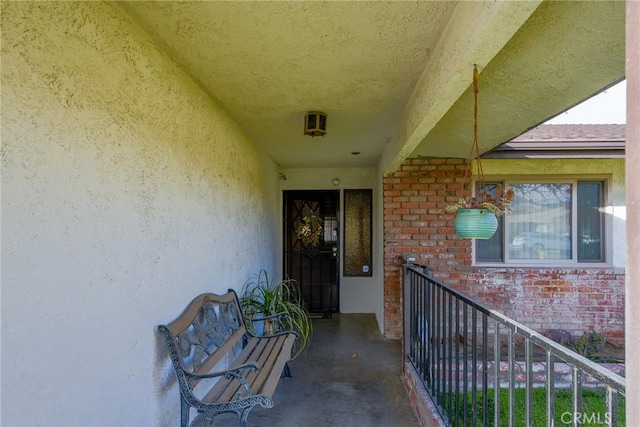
x,y
244,416
184,413
286,372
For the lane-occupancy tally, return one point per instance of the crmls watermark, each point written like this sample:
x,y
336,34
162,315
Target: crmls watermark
x,y
593,418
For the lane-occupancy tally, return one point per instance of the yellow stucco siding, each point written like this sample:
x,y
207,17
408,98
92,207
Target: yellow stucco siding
x,y
614,167
126,192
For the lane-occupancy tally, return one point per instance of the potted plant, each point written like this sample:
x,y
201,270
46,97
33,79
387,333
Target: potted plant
x,y
273,307
476,216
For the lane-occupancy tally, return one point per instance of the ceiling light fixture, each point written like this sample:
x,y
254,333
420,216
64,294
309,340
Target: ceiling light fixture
x,y
315,123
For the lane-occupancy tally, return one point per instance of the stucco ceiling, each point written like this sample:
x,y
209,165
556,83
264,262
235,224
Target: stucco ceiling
x,y
393,77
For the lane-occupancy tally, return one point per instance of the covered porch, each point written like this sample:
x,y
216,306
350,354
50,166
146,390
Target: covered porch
x,y
350,376
147,146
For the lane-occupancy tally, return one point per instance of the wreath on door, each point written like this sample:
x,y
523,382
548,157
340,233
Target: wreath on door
x,y
310,229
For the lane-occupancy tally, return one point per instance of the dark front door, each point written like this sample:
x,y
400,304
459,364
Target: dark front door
x,y
311,236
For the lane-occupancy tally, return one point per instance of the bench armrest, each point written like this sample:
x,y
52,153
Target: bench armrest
x,y
274,316
233,372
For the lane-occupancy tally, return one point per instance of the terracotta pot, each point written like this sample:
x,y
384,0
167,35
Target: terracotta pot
x,y
475,223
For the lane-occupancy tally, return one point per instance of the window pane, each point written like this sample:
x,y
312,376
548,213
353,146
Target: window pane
x,y
590,219
540,223
491,250
357,232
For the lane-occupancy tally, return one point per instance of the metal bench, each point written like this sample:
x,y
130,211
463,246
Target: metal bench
x,y
221,368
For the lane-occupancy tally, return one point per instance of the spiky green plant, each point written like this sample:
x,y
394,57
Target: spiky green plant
x,y
499,203
262,298
589,345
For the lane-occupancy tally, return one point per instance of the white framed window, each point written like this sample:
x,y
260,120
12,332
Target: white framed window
x,y
553,221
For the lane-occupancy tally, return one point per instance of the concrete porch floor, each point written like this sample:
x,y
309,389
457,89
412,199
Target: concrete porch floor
x,y
330,387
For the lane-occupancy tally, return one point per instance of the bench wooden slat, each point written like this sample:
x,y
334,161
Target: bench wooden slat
x,y
216,392
270,354
185,319
221,352
266,357
275,372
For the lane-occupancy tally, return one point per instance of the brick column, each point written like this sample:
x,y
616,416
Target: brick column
x,y
417,226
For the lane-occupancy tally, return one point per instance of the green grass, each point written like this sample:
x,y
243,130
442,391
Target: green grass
x,y
593,408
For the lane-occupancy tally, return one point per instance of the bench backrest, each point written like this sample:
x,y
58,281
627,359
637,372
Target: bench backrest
x,y
210,327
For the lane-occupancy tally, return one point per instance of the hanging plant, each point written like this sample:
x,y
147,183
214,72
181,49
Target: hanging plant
x,y
476,215
310,229
498,204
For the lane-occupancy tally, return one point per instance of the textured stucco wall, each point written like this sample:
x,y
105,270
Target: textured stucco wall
x,y
126,192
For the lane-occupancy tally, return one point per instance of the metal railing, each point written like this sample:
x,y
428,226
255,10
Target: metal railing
x,y
468,356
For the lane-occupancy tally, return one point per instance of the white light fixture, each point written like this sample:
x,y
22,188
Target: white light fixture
x,y
315,123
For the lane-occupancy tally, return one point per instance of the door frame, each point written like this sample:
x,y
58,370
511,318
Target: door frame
x,y
287,227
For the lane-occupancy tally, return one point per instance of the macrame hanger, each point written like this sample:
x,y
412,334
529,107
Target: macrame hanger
x,y
475,148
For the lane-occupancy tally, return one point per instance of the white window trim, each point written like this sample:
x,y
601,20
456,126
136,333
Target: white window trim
x,y
573,263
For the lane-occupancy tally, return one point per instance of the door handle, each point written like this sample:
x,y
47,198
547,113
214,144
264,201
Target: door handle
x,y
334,251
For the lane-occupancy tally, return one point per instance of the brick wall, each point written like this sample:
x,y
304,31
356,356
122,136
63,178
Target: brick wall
x,y
416,225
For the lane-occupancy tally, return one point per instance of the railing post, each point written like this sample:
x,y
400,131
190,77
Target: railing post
x,y
425,270
406,301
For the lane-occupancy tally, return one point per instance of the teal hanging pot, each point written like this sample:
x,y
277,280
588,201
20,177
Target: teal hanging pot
x,y
475,223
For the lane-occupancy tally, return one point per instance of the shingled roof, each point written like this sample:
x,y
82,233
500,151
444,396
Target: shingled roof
x,y
565,141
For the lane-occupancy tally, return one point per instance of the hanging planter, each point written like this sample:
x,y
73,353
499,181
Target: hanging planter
x,y
476,216
475,223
